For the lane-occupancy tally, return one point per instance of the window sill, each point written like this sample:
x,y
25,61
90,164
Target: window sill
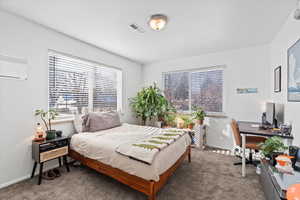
x,y
217,115
63,120
211,114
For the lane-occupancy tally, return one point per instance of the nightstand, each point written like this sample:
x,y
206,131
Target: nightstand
x,y
48,150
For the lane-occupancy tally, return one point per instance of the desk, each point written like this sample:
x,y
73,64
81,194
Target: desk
x,y
247,128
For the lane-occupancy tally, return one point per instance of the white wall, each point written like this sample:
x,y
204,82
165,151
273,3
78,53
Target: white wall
x,y
286,37
19,99
245,68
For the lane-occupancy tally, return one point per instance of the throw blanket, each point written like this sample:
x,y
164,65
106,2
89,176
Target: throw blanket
x,y
146,149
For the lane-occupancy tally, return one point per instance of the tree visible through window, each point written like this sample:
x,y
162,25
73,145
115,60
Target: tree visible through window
x,y
177,89
186,90
75,85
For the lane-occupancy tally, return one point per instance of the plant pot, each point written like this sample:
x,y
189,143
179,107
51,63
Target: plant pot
x,y
158,124
273,156
51,134
58,133
200,121
180,125
191,126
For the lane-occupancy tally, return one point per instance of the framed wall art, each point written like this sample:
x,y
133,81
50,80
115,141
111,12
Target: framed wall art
x,y
293,82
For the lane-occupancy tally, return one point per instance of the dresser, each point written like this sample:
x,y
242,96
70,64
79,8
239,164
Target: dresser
x,y
47,150
275,183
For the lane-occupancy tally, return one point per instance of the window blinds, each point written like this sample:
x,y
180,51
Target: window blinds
x,y
207,90
75,85
105,94
188,89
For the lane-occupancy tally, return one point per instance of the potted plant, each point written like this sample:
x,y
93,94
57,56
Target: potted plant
x,y
47,117
199,115
189,123
273,147
150,104
169,120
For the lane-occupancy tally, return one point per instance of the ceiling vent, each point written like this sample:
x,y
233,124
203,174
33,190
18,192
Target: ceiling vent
x,y
137,28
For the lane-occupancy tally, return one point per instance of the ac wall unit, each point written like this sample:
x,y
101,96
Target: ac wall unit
x,y
13,68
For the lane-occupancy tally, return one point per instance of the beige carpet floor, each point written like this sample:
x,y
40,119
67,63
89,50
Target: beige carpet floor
x,y
210,176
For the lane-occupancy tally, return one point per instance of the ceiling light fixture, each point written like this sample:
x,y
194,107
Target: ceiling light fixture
x,y
297,11
158,21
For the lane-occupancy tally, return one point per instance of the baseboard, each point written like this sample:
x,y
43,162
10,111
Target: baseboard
x,y
219,147
3,185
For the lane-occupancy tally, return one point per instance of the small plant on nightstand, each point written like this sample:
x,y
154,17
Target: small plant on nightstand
x,y
47,117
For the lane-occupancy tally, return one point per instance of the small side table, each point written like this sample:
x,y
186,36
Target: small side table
x,y
48,150
200,136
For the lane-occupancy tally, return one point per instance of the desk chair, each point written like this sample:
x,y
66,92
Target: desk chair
x,y
251,142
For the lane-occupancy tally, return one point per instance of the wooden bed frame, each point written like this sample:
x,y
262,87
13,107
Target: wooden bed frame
x,y
150,188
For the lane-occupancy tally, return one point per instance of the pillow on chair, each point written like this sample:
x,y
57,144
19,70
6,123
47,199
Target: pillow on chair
x,y
93,122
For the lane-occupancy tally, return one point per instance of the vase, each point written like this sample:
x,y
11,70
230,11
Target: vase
x,y
51,134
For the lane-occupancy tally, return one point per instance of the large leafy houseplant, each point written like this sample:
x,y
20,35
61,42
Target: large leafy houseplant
x,y
150,103
47,117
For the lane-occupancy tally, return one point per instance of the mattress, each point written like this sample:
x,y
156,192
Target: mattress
x,y
101,146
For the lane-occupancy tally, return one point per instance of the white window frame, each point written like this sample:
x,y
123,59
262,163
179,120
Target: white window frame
x,y
120,83
204,69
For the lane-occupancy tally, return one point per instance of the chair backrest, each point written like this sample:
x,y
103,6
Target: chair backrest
x,y
236,133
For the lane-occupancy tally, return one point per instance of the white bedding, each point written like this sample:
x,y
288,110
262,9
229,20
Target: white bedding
x,y
101,146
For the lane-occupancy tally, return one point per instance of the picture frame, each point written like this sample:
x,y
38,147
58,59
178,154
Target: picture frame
x,y
277,79
293,75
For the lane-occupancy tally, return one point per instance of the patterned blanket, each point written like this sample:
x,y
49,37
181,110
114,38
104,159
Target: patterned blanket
x,y
145,150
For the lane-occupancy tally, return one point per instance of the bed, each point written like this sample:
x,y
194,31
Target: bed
x,y
97,150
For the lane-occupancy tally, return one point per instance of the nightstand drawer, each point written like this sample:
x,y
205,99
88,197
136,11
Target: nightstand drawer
x,y
55,153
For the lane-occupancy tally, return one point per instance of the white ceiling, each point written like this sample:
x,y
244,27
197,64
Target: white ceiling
x,y
195,26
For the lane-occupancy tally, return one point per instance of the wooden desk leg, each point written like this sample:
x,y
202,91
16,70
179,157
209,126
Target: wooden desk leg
x,y
244,155
59,161
41,173
33,170
66,163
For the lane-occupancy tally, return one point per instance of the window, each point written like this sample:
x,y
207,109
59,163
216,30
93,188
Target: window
x,y
177,89
185,90
76,85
